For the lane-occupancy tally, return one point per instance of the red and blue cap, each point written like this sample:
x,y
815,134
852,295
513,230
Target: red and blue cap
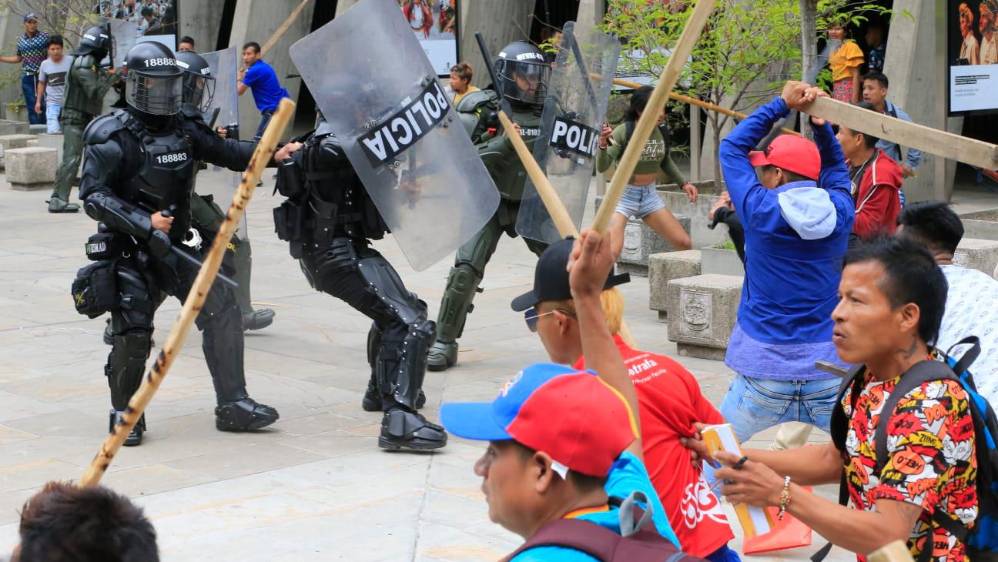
x,y
573,416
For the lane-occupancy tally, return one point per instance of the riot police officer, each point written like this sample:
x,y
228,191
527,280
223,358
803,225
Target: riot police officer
x,y
199,88
86,84
521,75
329,220
137,180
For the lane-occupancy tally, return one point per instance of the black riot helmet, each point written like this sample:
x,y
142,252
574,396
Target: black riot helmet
x,y
96,41
522,74
155,82
199,84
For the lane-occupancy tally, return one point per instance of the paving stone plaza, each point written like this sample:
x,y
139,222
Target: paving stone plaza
x,y
314,486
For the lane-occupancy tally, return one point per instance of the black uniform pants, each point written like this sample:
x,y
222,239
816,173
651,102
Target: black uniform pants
x,y
350,270
143,283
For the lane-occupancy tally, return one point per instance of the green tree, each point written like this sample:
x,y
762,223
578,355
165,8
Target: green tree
x,y
746,51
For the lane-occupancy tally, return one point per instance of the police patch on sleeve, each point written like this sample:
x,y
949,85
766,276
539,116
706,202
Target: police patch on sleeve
x,y
416,119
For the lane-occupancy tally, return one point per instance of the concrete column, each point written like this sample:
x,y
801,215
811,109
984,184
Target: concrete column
x,y
201,20
256,20
916,67
499,21
344,5
590,15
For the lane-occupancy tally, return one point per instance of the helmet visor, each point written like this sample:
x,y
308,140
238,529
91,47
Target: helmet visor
x,y
156,95
199,91
525,82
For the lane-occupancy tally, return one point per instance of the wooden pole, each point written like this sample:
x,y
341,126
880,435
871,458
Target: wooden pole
x,y
195,298
555,207
643,129
694,101
897,551
948,145
283,28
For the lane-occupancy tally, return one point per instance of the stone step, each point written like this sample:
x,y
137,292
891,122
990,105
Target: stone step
x,y
702,311
664,267
31,168
978,254
8,142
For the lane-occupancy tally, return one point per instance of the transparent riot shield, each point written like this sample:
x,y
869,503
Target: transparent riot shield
x,y
223,111
381,98
124,35
573,115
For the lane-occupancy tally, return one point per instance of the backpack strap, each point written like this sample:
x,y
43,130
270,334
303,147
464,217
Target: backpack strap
x,y
839,429
968,357
920,373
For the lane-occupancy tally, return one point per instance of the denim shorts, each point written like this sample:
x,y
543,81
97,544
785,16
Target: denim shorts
x,y
639,201
753,405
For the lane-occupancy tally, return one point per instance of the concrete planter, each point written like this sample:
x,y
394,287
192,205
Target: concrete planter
x,y
640,242
720,261
17,113
677,202
981,224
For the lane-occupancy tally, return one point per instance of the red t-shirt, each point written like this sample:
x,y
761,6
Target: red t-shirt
x,y
669,403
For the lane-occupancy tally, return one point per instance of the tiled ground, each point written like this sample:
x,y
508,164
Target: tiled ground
x,y
315,487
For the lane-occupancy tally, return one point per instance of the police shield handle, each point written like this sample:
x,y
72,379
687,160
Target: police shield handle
x,y
647,122
896,551
555,207
195,299
693,101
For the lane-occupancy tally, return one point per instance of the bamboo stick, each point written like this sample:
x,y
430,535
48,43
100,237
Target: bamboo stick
x,y
643,129
195,299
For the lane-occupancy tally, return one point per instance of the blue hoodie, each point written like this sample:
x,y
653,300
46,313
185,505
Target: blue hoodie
x,y
795,240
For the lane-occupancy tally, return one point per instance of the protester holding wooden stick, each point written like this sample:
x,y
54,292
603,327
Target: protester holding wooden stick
x,y
641,200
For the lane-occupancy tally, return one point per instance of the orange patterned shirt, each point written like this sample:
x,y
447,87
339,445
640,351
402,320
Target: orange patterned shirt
x,y
932,462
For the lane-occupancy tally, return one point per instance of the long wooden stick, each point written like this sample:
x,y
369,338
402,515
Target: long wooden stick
x,y
283,28
948,145
643,129
699,103
553,203
195,299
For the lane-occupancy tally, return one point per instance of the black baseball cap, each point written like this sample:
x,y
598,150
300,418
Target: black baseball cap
x,y
551,277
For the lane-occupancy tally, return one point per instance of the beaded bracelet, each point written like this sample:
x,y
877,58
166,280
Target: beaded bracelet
x,y
784,498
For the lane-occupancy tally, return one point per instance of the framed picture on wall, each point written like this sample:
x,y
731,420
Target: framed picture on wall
x,y
435,24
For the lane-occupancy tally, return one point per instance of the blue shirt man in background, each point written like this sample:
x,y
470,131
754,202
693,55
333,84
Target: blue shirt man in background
x,y
797,214
259,77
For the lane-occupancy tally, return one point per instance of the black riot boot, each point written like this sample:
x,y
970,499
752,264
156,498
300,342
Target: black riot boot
x,y
244,415
258,319
372,398
134,438
405,429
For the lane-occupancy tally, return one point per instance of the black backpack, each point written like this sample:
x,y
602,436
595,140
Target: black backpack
x,y
982,538
640,542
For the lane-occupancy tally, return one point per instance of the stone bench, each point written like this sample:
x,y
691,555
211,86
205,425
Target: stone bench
x,y
664,267
702,311
978,254
8,127
31,168
50,141
640,242
38,129
8,142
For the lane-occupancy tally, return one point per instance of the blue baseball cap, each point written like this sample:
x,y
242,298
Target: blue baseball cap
x,y
30,16
571,415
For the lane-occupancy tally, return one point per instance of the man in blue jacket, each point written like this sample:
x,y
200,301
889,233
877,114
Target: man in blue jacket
x,y
793,200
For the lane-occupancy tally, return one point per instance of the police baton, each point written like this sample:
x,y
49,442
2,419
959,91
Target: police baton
x,y
167,213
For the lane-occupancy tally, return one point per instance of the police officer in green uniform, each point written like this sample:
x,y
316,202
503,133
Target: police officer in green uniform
x,y
86,84
521,75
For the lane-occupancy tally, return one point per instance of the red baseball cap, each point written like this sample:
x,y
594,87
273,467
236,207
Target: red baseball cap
x,y
791,153
575,417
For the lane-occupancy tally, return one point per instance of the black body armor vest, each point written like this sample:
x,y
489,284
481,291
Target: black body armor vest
x,y
164,179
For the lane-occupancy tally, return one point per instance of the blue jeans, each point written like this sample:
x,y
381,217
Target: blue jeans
x,y
28,82
52,126
753,405
264,120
